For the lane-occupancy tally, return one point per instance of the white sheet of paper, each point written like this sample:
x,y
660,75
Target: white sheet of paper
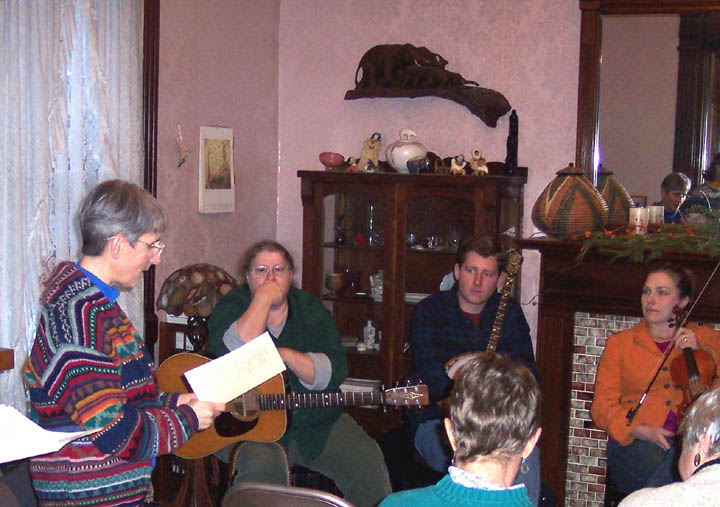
x,y
22,438
227,377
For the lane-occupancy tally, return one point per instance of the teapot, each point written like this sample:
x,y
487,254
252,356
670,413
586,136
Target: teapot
x,y
402,150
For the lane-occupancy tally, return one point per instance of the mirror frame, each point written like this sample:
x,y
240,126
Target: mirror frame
x,y
590,52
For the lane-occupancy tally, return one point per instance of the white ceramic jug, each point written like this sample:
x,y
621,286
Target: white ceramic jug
x,y
398,153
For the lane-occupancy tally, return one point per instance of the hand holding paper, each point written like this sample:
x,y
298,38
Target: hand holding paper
x,y
227,377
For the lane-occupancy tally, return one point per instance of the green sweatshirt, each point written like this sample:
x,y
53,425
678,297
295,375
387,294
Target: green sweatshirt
x,y
309,328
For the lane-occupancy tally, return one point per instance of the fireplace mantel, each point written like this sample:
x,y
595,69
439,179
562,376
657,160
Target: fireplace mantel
x,y
593,285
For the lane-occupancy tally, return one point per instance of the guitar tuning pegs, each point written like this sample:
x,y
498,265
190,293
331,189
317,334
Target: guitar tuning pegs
x,y
397,384
408,382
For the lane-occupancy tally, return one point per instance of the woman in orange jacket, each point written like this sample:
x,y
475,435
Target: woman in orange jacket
x,y
642,453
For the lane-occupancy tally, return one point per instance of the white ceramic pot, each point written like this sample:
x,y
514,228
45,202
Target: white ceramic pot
x,y
398,153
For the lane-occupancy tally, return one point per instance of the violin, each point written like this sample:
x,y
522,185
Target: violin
x,y
693,372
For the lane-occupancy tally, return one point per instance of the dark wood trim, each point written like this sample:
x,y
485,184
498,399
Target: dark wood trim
x,y
689,157
693,98
151,55
649,6
588,91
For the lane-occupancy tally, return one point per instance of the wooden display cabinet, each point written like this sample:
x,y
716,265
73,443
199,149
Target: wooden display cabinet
x,y
336,229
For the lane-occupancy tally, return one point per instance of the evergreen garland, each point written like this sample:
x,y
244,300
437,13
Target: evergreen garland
x,y
702,236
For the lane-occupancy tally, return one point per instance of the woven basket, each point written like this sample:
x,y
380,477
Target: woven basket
x,y
616,197
570,205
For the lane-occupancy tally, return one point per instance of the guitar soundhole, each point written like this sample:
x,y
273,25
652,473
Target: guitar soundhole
x,y
228,426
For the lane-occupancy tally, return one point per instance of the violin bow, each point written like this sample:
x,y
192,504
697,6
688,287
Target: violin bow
x,y
633,411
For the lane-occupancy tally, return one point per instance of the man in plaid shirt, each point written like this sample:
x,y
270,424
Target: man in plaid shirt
x,y
457,321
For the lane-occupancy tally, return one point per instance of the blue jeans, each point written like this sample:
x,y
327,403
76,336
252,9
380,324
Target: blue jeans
x,y
641,464
431,443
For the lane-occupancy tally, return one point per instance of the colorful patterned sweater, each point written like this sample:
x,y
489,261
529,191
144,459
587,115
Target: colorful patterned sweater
x,y
89,369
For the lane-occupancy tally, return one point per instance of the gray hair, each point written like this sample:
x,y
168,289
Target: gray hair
x,y
265,245
494,408
118,207
703,419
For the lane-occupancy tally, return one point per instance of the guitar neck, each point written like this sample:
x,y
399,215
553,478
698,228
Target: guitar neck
x,y
500,316
317,400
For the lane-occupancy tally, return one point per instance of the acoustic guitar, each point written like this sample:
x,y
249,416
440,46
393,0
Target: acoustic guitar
x,y
452,367
260,414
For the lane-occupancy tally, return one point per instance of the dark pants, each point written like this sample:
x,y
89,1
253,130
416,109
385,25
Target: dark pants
x,y
350,458
641,464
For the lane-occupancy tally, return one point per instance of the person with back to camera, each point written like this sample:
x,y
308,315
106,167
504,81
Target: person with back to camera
x,y
699,463
460,320
493,428
641,454
706,197
89,368
323,439
673,192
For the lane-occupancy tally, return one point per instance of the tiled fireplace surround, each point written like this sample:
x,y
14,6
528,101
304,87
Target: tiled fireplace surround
x,y
585,484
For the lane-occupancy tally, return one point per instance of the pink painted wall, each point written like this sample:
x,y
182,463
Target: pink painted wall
x,y
526,49
638,95
218,66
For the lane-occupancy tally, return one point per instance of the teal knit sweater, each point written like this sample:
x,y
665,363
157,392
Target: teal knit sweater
x,y
446,492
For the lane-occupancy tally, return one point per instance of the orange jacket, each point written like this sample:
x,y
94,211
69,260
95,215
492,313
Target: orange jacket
x,y
625,369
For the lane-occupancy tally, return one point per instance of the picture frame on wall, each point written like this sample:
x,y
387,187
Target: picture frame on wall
x,y
216,175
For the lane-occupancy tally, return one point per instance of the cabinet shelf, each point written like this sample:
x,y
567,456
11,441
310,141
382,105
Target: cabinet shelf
x,y
353,247
348,299
380,249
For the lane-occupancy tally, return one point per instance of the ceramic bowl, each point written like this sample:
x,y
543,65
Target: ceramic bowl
x,y
331,159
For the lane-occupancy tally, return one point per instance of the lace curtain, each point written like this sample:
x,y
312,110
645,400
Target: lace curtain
x,y
70,117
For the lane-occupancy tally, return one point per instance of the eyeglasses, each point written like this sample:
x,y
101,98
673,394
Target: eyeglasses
x,y
157,245
279,270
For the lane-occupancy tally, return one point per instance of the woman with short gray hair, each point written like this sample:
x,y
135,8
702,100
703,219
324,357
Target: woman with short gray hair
x,y
89,369
699,463
493,427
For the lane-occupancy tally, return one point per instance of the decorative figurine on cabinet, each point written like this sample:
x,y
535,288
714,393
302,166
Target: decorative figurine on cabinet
x,y
352,165
478,164
457,165
370,153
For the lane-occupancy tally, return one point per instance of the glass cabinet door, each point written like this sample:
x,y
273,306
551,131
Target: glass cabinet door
x,y
353,257
436,226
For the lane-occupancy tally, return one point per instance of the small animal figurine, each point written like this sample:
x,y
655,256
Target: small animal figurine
x,y
370,153
457,165
478,164
352,165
